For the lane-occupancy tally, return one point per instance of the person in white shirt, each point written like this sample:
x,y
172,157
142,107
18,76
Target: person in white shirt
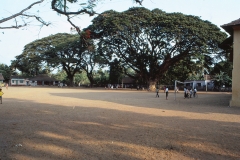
x,y
191,93
194,92
166,90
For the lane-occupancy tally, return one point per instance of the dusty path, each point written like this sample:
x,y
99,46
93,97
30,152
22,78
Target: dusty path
x,y
88,124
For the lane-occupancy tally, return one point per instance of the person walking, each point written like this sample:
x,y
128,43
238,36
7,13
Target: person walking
x,y
191,93
157,90
185,93
166,90
194,92
7,86
1,93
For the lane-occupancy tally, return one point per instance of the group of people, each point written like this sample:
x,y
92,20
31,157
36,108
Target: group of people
x,y
190,93
165,90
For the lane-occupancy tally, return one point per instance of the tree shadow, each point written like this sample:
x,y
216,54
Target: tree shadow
x,y
205,103
34,130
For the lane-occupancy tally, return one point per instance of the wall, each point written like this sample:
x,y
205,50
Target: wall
x,y
18,82
235,101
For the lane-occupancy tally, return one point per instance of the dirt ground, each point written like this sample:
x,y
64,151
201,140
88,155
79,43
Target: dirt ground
x,y
38,123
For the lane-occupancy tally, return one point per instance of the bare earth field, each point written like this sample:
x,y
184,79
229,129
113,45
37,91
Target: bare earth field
x,y
38,123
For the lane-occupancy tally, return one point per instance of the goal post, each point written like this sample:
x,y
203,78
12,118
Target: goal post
x,y
175,86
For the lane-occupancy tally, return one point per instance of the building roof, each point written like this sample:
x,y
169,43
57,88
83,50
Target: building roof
x,y
1,77
227,43
42,77
228,27
17,77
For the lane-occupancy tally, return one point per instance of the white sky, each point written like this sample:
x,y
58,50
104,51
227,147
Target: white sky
x,y
12,41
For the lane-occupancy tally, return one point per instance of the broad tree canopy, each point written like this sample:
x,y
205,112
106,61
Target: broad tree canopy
x,y
60,50
149,42
72,53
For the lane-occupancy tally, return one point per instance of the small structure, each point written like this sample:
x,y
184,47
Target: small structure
x,y
233,28
43,79
128,82
18,81
199,84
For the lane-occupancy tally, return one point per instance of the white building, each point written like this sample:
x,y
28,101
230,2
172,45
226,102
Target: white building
x,y
18,81
199,84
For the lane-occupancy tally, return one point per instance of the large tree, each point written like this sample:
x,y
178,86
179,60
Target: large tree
x,y
61,50
29,63
68,52
149,42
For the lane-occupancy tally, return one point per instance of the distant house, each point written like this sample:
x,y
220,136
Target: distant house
x,y
18,81
1,78
42,79
128,81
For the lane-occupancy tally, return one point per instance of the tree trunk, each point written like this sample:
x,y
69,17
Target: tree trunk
x,y
90,78
70,78
91,82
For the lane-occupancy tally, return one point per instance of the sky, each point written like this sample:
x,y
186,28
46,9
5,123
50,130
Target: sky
x,y
12,41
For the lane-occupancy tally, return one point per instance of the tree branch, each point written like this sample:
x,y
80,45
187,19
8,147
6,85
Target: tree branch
x,y
38,19
16,27
20,13
69,13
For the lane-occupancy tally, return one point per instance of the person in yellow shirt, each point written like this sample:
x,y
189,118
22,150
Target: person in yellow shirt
x,y
1,93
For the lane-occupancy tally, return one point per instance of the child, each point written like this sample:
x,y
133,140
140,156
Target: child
x,y
194,92
157,90
166,90
1,93
185,93
191,92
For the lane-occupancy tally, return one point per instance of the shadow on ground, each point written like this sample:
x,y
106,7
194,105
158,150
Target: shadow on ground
x,y
212,103
33,130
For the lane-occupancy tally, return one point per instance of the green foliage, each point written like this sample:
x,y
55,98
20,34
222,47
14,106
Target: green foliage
x,y
101,78
64,51
6,71
60,76
222,74
81,78
116,72
222,78
151,42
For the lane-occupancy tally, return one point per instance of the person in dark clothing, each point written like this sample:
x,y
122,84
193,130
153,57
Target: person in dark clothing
x,y
157,90
166,90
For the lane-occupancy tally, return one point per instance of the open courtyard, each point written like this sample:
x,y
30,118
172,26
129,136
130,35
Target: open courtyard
x,y
47,123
